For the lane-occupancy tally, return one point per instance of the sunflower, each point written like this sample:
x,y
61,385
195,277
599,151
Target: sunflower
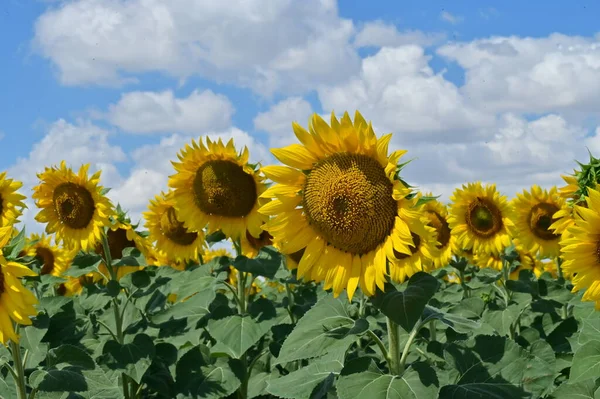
x,y
74,285
16,302
215,186
73,206
424,238
480,218
489,260
252,245
581,250
54,259
341,201
437,215
167,231
232,278
534,212
568,192
11,202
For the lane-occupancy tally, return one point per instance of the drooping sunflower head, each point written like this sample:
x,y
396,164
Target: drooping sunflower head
x,y
210,254
16,301
534,213
437,217
73,205
215,187
53,259
251,245
340,200
480,218
74,285
169,233
527,261
11,202
581,248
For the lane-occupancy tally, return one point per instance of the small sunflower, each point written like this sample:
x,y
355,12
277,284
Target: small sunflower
x,y
72,205
74,285
581,250
489,260
16,301
11,202
480,218
437,215
252,245
340,200
534,212
54,259
424,238
167,231
215,186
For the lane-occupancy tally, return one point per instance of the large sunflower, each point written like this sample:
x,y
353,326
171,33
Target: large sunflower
x,y
73,206
215,186
437,214
581,250
16,301
54,259
167,231
340,200
11,202
480,218
534,212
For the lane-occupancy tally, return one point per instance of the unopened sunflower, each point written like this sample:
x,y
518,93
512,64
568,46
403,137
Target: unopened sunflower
x,y
534,212
168,232
16,301
54,259
580,250
480,218
340,200
215,187
72,205
437,214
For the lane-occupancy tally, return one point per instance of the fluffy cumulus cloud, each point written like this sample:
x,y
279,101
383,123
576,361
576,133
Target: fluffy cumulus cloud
x,y
522,74
400,92
160,112
277,121
108,42
382,34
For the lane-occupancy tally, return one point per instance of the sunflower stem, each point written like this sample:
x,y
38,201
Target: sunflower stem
x,y
406,351
393,357
242,307
379,343
559,267
432,331
19,371
463,284
290,297
107,257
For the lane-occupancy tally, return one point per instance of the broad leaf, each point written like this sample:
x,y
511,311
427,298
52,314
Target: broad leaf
x,y
235,334
266,263
301,383
586,362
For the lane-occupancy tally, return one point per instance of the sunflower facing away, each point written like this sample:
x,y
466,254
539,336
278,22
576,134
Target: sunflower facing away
x,y
16,301
167,231
54,259
480,218
72,205
339,200
534,212
437,214
11,202
581,250
215,186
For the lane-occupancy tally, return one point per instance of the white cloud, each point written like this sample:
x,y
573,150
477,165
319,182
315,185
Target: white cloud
x,y
399,91
382,34
159,112
553,74
277,121
107,42
451,18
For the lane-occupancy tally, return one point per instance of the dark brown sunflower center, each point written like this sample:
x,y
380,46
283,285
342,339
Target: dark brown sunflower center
x,y
540,219
117,242
348,199
484,218
440,224
1,281
174,230
597,255
74,205
413,248
257,243
46,256
223,188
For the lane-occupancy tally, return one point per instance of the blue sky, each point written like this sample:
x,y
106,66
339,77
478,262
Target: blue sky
x,y
471,130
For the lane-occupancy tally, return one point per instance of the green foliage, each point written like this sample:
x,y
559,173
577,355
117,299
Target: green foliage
x,y
163,333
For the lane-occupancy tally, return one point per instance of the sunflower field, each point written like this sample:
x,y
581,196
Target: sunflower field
x,y
325,276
